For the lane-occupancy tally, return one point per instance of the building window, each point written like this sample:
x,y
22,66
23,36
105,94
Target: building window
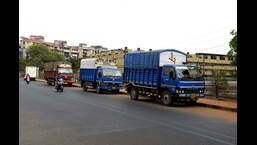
x,y
213,57
230,58
205,57
199,56
189,56
222,57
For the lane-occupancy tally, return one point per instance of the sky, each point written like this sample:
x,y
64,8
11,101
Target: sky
x,y
194,26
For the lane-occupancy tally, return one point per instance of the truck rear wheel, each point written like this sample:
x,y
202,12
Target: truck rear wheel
x,y
115,91
133,94
85,88
166,98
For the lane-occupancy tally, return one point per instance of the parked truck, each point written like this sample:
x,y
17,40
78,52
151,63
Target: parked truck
x,y
62,68
33,71
100,75
163,75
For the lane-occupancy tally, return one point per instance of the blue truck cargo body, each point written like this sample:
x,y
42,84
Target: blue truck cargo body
x,y
98,76
161,74
88,75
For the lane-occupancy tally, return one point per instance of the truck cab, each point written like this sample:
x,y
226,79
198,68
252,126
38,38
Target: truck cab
x,y
109,78
184,83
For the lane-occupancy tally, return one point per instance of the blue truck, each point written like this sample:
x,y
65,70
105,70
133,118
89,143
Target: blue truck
x,y
164,75
99,75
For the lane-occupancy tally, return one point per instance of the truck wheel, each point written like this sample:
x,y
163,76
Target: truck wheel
x,y
116,91
166,98
98,89
85,88
133,94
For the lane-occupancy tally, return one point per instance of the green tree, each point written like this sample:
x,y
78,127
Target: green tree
x,y
22,64
219,79
38,54
75,63
75,66
232,53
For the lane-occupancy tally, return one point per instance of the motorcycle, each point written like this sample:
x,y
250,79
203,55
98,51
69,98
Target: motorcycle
x,y
59,85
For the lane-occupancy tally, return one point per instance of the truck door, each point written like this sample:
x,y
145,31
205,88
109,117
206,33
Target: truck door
x,y
168,79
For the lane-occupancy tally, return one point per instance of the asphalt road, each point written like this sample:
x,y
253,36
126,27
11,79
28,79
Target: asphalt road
x,y
74,117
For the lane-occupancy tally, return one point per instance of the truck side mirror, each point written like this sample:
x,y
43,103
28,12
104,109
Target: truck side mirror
x,y
99,74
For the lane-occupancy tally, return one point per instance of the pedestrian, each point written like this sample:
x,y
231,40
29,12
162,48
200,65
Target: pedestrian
x,y
27,78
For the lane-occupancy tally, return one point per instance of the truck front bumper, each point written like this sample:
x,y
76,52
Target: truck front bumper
x,y
189,97
111,88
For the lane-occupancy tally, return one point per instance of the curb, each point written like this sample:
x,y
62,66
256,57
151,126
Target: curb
x,y
217,107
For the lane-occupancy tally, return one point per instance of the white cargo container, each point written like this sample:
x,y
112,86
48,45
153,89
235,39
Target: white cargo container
x,y
33,71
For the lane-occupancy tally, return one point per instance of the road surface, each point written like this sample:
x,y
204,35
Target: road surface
x,y
74,117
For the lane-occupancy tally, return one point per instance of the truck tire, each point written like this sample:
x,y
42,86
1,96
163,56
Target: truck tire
x,y
115,91
133,94
85,88
166,98
98,89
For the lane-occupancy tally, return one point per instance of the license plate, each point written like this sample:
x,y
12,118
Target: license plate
x,y
113,88
192,96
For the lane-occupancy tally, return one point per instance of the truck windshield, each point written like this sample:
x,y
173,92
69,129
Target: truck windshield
x,y
65,71
188,73
108,72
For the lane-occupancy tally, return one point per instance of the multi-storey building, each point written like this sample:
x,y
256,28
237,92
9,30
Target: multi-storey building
x,y
208,62
85,51
59,46
37,37
114,55
74,51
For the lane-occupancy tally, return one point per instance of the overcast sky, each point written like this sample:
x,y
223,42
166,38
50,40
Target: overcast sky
x,y
187,25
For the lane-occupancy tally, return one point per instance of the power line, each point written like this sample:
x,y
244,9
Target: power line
x,y
208,33
204,41
213,47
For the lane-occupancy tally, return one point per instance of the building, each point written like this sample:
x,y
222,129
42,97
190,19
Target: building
x,y
59,46
208,62
114,55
